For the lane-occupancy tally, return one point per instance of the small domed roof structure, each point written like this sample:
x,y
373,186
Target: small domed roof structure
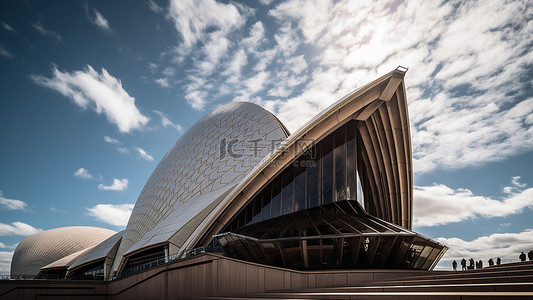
x,y
43,248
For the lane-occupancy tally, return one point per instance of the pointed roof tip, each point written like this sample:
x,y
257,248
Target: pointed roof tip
x,y
402,69
399,72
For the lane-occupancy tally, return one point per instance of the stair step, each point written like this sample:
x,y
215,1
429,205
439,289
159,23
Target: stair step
x,y
474,274
494,279
391,295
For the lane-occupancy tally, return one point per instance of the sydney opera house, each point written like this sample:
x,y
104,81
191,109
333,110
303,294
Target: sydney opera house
x,y
333,197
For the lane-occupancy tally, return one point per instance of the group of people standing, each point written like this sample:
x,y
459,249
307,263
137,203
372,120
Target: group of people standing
x,y
479,264
523,256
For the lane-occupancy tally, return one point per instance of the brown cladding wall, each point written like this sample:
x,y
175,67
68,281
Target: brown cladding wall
x,y
203,275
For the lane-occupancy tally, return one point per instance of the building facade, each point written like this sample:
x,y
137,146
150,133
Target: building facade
x,y
336,194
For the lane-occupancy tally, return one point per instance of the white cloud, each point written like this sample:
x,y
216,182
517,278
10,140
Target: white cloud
x,y
111,140
98,19
255,38
4,246
40,28
17,228
169,71
117,215
193,18
467,99
143,154
5,53
162,82
166,122
12,204
7,27
235,66
83,173
207,25
266,2
101,21
57,210
102,92
287,40
118,185
440,204
468,88
123,150
507,246
516,182
5,261
154,7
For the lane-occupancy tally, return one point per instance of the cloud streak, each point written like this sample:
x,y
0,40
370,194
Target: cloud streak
x,y
111,140
207,25
143,154
440,204
468,98
117,185
83,174
5,261
469,94
116,215
101,92
17,228
8,27
166,122
97,19
5,53
40,28
504,245
4,246
12,204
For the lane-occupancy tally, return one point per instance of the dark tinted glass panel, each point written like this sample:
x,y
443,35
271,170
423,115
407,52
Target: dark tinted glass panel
x,y
327,172
340,164
276,198
350,162
257,208
249,214
313,175
288,185
299,188
265,212
326,151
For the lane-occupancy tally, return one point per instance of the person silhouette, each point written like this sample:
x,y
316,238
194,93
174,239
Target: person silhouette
x,y
454,265
480,264
463,264
522,256
491,262
471,263
530,255
498,261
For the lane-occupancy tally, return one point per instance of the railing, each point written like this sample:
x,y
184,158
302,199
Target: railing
x,y
161,261
201,250
19,277
138,268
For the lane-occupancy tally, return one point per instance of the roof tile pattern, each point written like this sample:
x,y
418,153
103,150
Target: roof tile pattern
x,y
218,149
43,248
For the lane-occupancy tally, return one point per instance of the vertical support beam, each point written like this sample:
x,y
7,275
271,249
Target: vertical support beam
x,y
374,167
390,152
305,256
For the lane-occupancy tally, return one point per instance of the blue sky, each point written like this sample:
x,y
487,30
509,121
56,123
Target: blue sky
x,y
94,93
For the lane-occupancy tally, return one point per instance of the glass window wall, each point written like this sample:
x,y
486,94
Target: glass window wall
x,y
326,173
